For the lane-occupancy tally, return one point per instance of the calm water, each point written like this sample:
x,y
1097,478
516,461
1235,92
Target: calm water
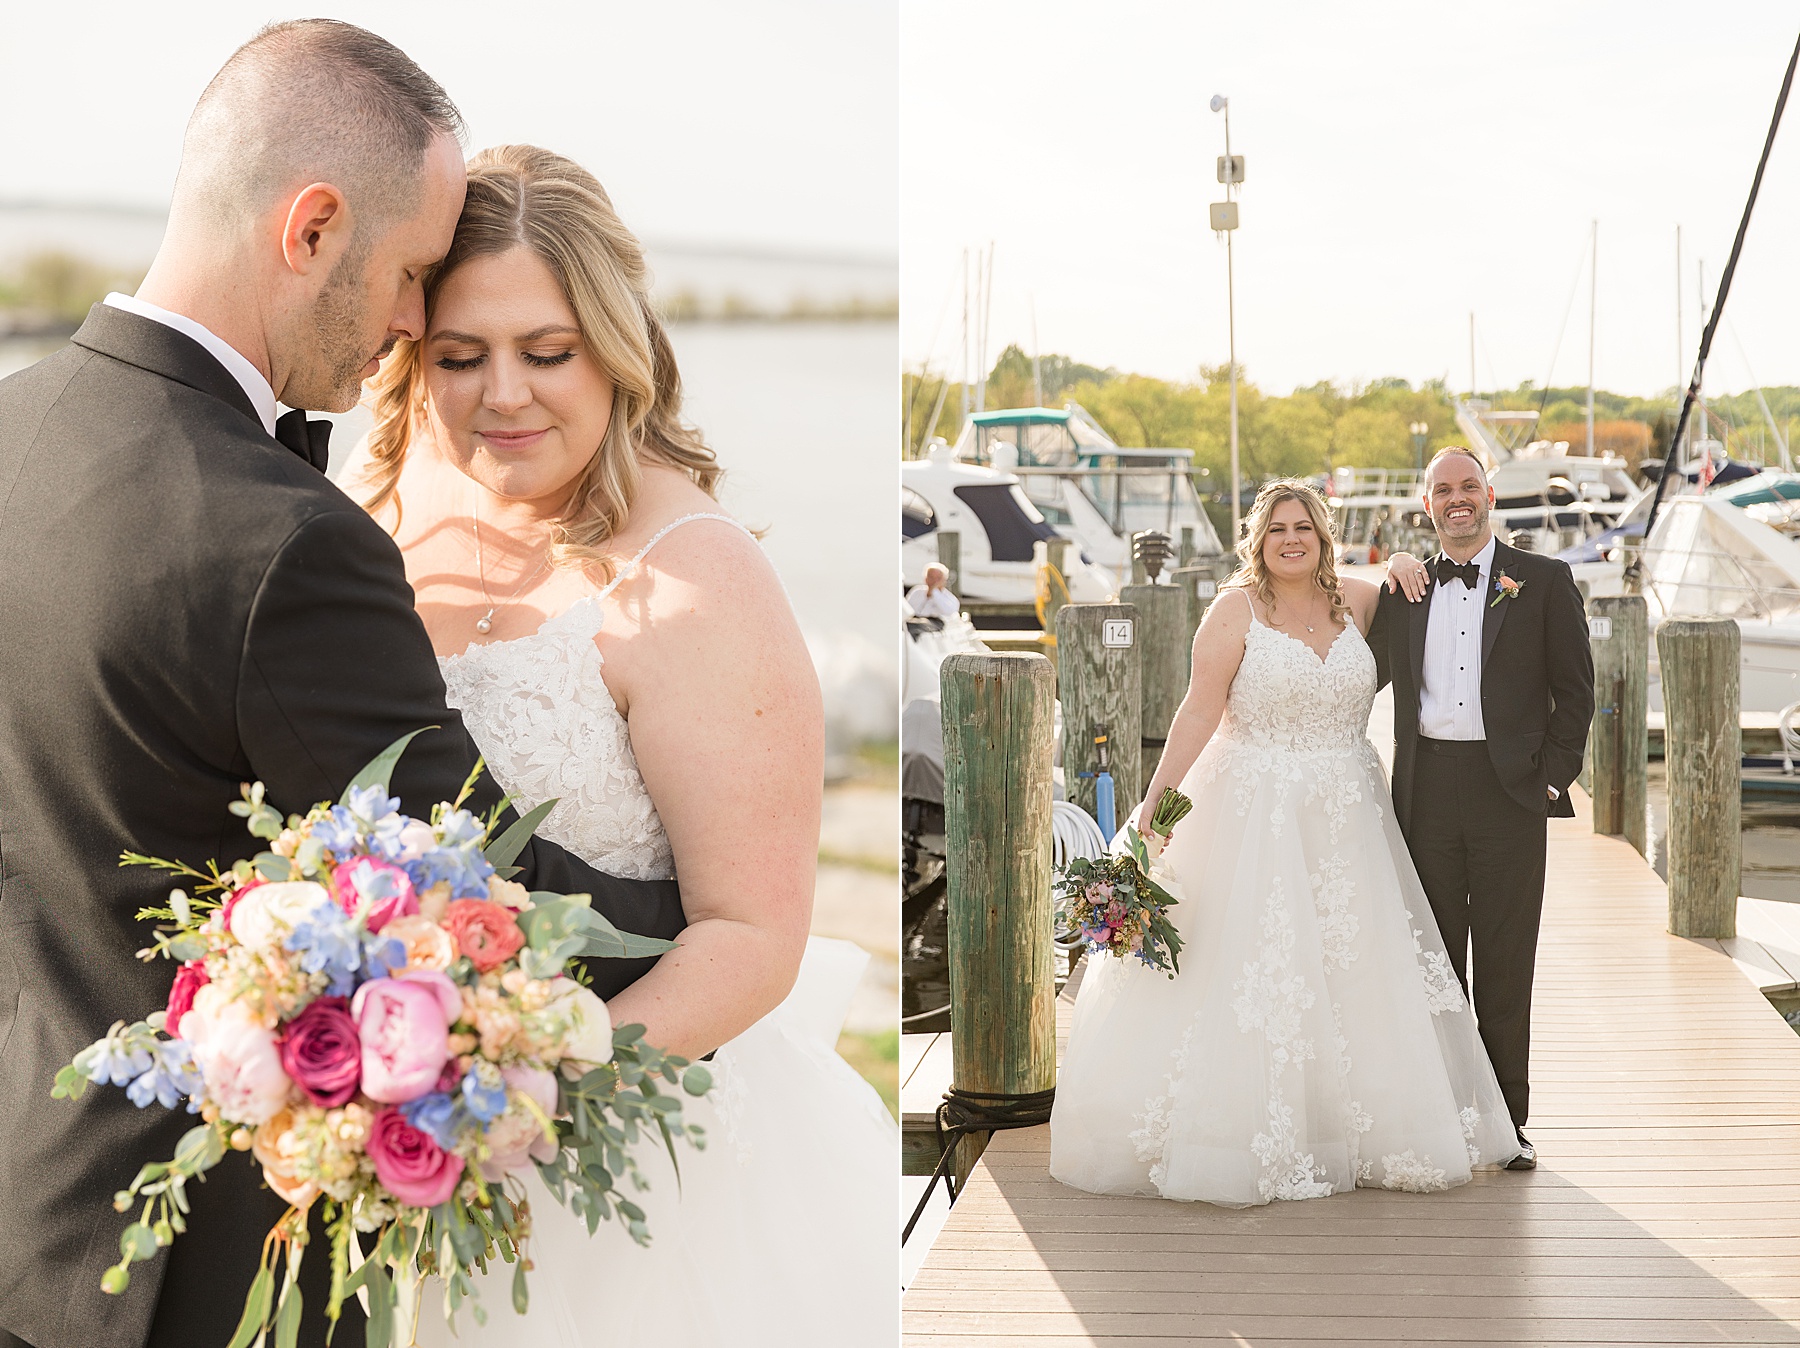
x,y
1771,834
801,415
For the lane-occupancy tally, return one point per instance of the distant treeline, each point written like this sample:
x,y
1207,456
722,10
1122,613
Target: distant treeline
x,y
49,293
1327,425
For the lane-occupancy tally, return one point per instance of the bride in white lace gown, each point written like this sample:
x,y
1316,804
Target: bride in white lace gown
x,y
1316,1038
615,642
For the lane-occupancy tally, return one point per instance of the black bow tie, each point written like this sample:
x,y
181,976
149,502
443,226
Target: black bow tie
x,y
1469,573
311,440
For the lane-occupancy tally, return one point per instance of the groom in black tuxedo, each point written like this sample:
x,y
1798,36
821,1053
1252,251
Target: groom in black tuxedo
x,y
186,603
1493,691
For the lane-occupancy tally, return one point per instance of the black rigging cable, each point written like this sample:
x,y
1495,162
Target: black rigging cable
x,y
1635,576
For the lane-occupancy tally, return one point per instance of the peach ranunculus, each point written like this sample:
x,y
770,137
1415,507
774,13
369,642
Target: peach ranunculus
x,y
404,1024
276,1147
486,932
428,946
508,894
433,901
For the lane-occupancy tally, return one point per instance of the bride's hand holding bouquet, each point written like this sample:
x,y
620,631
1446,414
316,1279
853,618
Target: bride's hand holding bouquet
x,y
397,1032
1113,902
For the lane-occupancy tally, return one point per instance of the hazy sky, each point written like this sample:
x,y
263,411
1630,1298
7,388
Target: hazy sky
x,y
769,123
1407,163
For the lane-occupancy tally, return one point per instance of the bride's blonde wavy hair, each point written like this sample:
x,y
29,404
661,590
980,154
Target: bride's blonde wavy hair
x,y
522,196
1253,572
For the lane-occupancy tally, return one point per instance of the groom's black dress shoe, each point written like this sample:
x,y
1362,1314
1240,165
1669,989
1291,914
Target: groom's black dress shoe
x,y
1527,1157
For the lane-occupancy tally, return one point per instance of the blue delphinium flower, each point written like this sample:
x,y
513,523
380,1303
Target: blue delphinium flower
x,y
337,832
459,828
381,955
484,1092
171,1076
440,1115
328,942
116,1060
456,860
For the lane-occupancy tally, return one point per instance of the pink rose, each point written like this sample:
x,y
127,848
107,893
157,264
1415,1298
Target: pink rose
x,y
487,933
516,1138
189,979
404,1024
414,1169
374,888
238,1059
321,1052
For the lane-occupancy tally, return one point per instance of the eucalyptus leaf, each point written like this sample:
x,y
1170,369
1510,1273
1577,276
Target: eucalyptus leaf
x,y
287,1318
696,1080
381,768
185,948
272,866
521,1294
380,1330
137,1243
200,1149
505,849
256,1309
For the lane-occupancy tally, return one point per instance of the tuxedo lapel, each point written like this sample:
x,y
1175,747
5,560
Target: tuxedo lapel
x,y
1419,616
1496,612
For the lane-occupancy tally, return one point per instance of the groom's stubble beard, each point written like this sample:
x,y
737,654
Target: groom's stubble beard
x,y
1469,530
339,321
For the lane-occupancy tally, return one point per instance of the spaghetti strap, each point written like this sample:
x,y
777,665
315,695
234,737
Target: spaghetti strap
x,y
631,567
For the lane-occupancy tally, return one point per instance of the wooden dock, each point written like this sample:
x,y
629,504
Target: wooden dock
x,y
1665,1208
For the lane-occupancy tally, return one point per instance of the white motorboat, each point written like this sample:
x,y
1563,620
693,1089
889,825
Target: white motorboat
x,y
998,524
1707,556
1093,490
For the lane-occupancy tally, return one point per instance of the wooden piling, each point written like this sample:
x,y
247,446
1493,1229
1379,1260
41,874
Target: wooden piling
x,y
949,549
1100,682
1698,658
1619,743
1165,641
1185,547
997,798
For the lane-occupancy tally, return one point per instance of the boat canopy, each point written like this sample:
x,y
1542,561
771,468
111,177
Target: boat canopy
x,y
1707,558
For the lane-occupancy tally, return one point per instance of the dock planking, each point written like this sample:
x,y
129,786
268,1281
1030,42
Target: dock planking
x,y
1665,1208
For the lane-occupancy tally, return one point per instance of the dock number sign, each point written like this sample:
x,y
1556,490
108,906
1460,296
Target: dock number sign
x,y
1206,589
1115,632
1599,629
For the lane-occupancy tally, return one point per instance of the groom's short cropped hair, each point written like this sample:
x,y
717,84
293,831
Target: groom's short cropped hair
x,y
312,100
1447,451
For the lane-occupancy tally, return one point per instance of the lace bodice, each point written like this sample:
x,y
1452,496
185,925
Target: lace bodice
x,y
1285,697
543,718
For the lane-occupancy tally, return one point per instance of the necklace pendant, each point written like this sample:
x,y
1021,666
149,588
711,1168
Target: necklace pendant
x,y
485,623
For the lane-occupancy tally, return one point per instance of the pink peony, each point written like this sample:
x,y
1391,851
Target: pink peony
x,y
404,1024
374,888
238,1058
487,933
517,1138
414,1169
189,979
321,1052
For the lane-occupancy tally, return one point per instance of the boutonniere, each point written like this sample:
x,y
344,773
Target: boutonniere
x,y
1505,587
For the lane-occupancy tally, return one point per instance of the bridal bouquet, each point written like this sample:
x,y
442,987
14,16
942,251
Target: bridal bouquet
x,y
1112,902
393,1030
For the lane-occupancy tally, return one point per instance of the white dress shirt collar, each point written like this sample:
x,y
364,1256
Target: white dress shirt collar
x,y
1484,560
255,387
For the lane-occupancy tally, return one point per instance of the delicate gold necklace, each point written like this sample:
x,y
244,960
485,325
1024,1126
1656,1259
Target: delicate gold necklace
x,y
1308,626
485,623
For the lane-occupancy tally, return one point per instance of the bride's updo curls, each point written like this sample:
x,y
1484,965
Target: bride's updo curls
x,y
521,196
1253,572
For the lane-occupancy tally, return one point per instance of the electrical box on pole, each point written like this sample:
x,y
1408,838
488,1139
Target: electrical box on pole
x,y
1231,168
1224,216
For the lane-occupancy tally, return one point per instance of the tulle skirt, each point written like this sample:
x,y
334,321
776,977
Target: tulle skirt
x,y
783,1231
1316,1037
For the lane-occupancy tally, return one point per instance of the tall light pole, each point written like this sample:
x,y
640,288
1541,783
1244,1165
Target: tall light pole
x,y
1225,220
1421,430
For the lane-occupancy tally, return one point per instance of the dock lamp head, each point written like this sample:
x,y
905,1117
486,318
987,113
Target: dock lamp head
x,y
1220,102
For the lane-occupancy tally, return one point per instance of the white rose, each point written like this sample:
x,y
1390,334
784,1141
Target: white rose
x,y
590,1028
269,912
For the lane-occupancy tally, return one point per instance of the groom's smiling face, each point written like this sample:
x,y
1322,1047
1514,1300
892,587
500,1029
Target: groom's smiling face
x,y
1459,500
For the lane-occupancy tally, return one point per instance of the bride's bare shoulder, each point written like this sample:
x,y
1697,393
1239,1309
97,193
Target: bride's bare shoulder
x,y
1362,596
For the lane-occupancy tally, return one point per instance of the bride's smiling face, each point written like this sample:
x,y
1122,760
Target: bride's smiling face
x,y
514,396
1290,549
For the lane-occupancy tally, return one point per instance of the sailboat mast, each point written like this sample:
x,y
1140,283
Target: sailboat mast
x,y
1593,305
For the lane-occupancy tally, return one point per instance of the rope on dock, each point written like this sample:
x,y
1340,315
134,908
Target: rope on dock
x,y
966,1112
